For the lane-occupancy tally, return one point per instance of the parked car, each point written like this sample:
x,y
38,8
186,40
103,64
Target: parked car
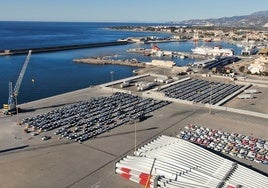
x,y
46,137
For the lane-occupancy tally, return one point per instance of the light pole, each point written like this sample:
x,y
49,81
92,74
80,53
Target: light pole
x,y
17,109
210,98
112,78
135,137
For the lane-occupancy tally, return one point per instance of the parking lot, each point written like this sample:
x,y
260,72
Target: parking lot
x,y
234,144
87,119
66,163
201,91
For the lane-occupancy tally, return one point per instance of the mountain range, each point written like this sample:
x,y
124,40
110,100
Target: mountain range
x,y
256,19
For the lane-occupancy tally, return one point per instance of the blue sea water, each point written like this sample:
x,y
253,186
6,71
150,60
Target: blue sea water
x,y
40,34
56,73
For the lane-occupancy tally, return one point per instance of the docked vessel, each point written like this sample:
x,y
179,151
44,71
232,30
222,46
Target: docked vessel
x,y
215,51
249,50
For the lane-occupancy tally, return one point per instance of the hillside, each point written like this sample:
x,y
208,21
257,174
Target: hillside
x,y
257,19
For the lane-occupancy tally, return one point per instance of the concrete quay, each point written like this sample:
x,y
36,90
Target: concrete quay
x,y
64,163
160,53
101,61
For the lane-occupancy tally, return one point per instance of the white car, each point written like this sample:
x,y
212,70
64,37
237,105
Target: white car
x,y
34,133
241,156
46,138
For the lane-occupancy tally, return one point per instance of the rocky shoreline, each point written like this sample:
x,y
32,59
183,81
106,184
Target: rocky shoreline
x,y
101,61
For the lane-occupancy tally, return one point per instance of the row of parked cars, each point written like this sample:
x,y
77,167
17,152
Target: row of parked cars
x,y
200,91
84,120
234,144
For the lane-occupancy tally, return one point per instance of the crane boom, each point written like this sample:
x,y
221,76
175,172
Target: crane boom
x,y
22,72
12,99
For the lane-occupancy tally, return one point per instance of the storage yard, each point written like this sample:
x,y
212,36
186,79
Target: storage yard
x,y
201,91
87,119
164,162
234,144
109,125
257,103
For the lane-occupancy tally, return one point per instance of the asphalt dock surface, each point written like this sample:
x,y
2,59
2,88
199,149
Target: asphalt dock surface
x,y
27,161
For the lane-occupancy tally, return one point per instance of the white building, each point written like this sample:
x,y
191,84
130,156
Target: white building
x,y
259,65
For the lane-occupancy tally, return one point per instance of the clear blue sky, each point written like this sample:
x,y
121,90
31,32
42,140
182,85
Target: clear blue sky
x,y
125,10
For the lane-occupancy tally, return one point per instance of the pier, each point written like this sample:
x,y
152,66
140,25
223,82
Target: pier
x,y
103,61
167,53
60,48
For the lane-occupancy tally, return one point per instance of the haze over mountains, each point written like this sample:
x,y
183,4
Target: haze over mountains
x,y
256,19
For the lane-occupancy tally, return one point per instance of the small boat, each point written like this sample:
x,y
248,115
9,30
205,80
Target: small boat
x,y
207,39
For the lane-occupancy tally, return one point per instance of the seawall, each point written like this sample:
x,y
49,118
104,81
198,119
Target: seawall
x,y
60,48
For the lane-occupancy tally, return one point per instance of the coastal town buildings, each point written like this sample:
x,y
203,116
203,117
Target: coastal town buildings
x,y
260,65
203,33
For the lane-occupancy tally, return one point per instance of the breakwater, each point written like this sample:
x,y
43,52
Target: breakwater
x,y
60,48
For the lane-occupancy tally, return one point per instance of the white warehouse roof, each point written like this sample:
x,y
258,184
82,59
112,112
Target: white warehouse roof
x,y
172,162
